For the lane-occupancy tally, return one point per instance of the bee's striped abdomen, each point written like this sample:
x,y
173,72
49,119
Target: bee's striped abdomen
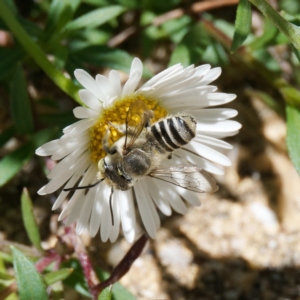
x,y
174,132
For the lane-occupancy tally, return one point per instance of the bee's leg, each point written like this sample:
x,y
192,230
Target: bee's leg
x,y
170,155
105,144
110,206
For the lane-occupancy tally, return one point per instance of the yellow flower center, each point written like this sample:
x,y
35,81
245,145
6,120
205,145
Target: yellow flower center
x,y
116,114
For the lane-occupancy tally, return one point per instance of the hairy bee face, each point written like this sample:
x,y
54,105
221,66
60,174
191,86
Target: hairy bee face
x,y
122,171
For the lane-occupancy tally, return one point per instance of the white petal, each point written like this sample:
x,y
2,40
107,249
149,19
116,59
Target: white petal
x,y
115,81
213,142
127,215
117,219
84,113
180,85
71,183
82,127
199,162
131,84
106,221
189,196
218,126
219,98
97,210
68,129
159,197
214,114
164,74
68,139
90,100
85,214
212,75
220,135
208,153
76,202
147,210
174,199
69,148
104,84
165,84
202,70
82,163
48,148
135,76
86,80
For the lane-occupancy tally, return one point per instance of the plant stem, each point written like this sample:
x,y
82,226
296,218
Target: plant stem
x,y
37,54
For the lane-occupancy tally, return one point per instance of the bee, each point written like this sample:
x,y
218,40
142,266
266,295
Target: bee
x,y
144,147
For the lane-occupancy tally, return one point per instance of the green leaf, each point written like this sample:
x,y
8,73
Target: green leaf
x,y
267,38
6,257
30,224
107,57
20,104
53,277
60,119
290,30
37,54
293,137
118,291
30,284
76,280
4,276
6,135
95,18
12,57
105,294
291,95
181,54
13,162
297,52
242,24
60,13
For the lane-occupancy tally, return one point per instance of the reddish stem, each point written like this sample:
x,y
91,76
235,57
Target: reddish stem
x,y
124,265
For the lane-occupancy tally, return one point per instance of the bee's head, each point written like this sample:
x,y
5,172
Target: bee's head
x,y
111,168
123,171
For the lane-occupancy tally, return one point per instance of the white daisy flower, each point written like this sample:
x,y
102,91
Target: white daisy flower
x,y
81,155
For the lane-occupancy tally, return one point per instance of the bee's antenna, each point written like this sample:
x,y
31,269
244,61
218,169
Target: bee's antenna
x,y
83,187
110,206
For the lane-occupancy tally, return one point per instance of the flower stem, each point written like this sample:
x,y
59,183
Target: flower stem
x,y
37,54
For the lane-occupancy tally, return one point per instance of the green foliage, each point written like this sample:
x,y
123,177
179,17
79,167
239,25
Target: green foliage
x,y
19,103
293,138
117,291
242,24
106,294
55,37
29,220
94,18
76,280
30,284
11,164
56,276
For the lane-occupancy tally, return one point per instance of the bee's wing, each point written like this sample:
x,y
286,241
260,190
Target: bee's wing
x,y
138,116
191,178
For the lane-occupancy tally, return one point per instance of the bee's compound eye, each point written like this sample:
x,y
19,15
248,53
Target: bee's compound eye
x,y
101,166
